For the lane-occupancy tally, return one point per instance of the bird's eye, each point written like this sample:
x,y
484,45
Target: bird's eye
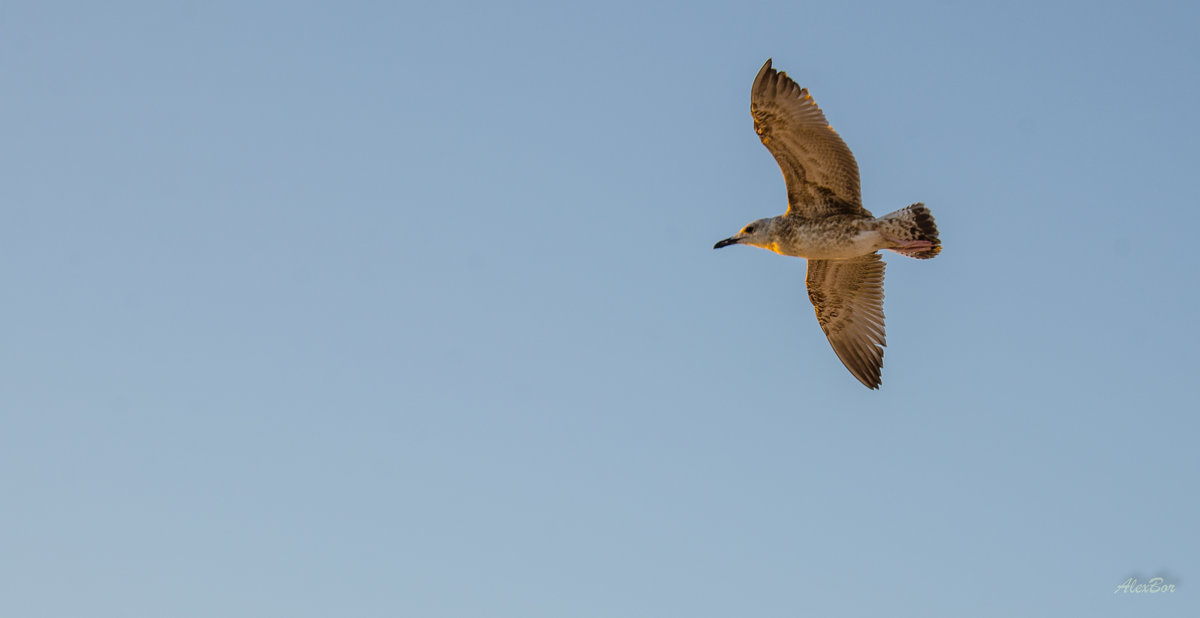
x,y
749,229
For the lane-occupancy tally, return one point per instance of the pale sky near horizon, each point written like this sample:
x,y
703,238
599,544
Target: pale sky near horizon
x,y
400,309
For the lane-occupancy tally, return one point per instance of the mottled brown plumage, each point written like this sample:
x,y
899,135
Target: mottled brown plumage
x,y
848,298
826,223
820,171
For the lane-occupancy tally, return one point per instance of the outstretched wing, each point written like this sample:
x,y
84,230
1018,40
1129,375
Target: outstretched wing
x,y
821,174
848,297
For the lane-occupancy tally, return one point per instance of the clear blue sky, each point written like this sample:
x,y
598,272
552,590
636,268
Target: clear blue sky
x,y
411,309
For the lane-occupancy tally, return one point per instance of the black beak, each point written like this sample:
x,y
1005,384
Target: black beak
x,y
726,243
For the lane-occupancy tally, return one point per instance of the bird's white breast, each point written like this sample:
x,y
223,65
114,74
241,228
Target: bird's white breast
x,y
834,247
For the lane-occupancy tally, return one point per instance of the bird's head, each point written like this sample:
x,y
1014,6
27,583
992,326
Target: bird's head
x,y
758,233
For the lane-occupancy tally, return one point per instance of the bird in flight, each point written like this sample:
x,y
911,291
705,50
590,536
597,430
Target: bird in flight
x,y
826,223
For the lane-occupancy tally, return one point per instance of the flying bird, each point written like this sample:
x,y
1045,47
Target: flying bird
x,y
826,223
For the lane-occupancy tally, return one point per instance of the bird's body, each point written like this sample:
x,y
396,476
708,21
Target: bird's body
x,y
831,238
827,224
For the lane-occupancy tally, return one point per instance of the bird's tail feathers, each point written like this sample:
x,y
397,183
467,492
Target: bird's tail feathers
x,y
912,231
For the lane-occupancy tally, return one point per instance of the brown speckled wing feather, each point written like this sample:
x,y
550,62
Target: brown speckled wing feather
x,y
820,171
848,298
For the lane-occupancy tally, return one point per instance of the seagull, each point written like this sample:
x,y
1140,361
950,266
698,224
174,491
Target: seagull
x,y
826,223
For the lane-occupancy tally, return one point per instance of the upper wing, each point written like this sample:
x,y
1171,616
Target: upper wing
x,y
848,297
821,174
